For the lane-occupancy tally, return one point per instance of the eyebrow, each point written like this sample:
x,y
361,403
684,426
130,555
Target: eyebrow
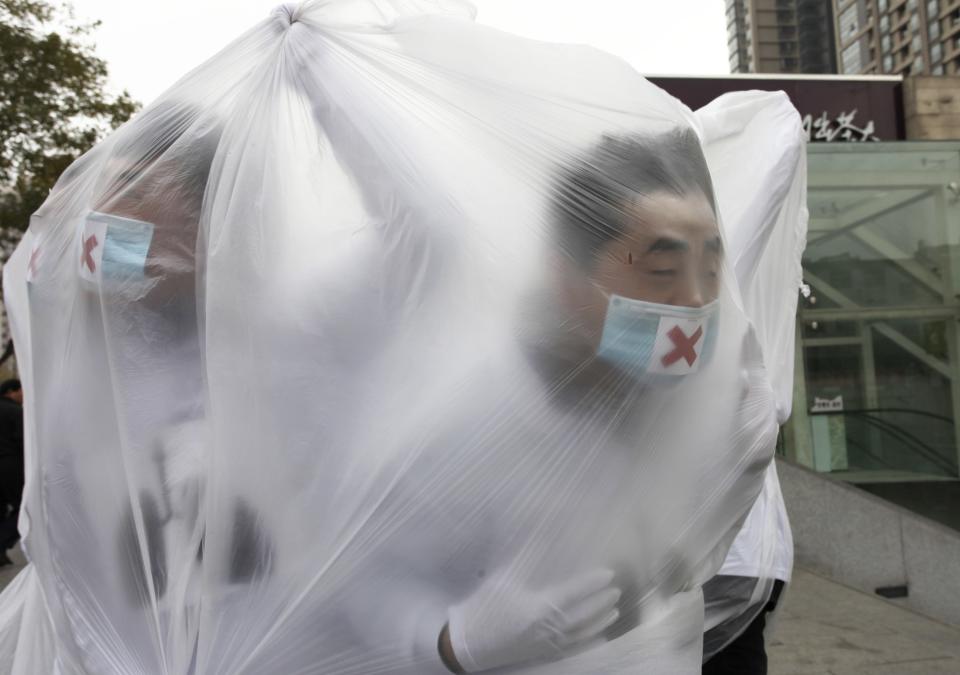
x,y
665,245
668,245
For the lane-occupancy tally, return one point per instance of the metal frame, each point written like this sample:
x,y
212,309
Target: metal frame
x,y
934,179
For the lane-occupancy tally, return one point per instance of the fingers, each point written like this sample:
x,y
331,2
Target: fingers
x,y
591,630
579,588
592,609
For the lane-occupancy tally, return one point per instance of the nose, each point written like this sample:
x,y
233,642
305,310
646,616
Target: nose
x,y
690,292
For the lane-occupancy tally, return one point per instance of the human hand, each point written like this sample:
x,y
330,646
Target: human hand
x,y
505,624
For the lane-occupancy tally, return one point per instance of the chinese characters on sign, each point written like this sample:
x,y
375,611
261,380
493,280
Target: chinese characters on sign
x,y
842,128
826,405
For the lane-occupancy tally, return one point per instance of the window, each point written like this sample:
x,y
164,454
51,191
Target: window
x,y
852,57
933,7
934,30
882,4
887,63
915,43
938,69
917,66
849,22
885,43
892,372
936,52
914,22
885,23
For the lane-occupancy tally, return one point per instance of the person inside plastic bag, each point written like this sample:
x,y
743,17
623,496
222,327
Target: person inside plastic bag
x,y
143,237
640,258
637,223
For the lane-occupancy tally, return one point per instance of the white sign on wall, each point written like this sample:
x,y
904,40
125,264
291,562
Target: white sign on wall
x,y
838,129
823,405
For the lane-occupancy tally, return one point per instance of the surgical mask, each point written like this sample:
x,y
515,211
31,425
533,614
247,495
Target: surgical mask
x,y
113,248
646,338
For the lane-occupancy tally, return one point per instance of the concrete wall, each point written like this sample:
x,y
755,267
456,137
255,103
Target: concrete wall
x,y
862,541
931,108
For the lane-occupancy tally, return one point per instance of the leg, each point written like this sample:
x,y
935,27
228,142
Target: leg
x,y
746,655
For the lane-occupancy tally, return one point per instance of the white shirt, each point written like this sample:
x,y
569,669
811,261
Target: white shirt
x,y
763,548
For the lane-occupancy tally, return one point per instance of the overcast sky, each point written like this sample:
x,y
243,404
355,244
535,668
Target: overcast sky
x,y
149,45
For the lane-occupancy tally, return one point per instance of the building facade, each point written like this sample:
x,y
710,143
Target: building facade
x,y
781,36
909,37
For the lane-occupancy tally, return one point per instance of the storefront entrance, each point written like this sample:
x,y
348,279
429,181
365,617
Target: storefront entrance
x,y
877,396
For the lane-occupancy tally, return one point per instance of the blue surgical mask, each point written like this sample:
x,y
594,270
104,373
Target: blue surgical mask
x,y
646,338
114,248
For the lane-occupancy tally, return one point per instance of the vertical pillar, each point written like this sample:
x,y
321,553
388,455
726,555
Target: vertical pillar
x,y
947,213
797,434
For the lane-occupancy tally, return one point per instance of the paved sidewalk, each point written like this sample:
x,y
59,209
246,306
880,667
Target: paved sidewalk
x,y
8,573
825,628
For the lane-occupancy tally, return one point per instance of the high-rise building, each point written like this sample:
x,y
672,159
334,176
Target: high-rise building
x,y
909,37
781,36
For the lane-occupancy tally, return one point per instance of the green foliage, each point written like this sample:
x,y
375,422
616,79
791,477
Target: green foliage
x,y
53,103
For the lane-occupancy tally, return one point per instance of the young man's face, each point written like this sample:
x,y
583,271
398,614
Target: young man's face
x,y
16,395
670,253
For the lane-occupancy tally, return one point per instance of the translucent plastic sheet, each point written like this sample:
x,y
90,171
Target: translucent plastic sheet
x,y
27,642
755,149
384,338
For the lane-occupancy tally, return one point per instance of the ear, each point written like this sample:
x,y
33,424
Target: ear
x,y
567,278
581,299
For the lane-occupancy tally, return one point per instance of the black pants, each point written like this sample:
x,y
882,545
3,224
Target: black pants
x,y
11,491
9,514
746,655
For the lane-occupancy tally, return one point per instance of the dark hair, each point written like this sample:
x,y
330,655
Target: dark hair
x,y
170,143
8,386
591,193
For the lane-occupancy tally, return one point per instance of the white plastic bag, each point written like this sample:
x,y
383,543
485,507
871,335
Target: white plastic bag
x,y
755,146
374,306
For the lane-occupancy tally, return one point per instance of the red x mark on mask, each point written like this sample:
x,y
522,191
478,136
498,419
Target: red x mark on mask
x,y
89,244
683,346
